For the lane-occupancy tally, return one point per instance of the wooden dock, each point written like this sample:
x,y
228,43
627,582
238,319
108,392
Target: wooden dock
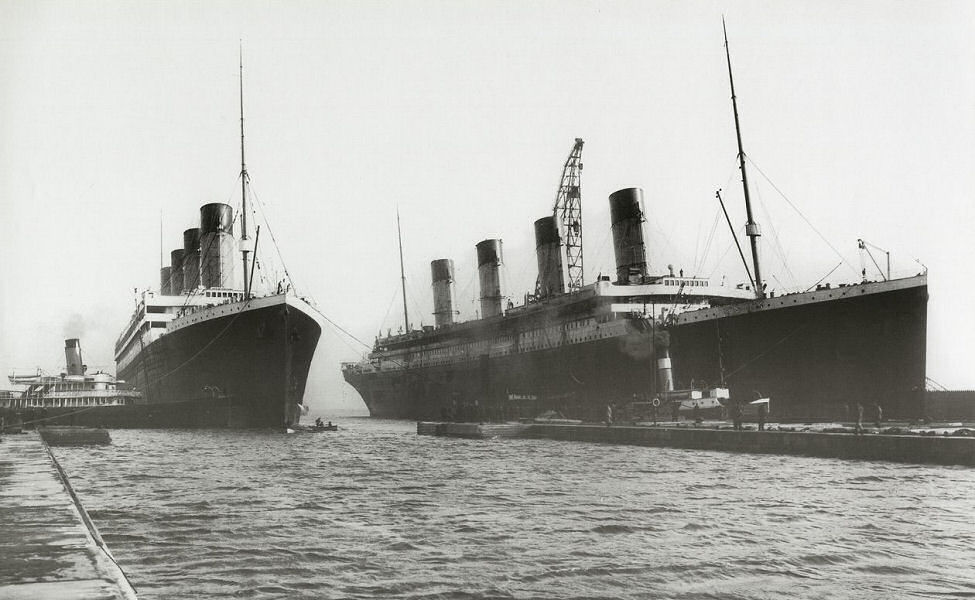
x,y
919,449
49,548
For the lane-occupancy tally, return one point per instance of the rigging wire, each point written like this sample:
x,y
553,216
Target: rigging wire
x,y
208,344
389,308
697,247
725,254
467,286
707,246
767,350
417,310
274,241
394,361
601,249
668,244
799,212
776,243
824,277
149,382
204,254
717,218
506,280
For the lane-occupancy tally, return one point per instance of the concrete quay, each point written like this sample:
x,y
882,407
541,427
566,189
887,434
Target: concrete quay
x,y
49,548
920,449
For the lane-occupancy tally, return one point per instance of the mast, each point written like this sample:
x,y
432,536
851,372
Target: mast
x,y
752,230
244,241
402,274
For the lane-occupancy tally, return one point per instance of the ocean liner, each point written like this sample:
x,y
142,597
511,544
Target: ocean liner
x,y
207,349
576,348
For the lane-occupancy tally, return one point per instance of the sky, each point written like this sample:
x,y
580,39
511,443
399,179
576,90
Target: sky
x,y
119,119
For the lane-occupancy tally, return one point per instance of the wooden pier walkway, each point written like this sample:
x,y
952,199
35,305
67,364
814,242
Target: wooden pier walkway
x,y
48,546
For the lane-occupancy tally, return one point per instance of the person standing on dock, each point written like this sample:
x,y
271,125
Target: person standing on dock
x,y
736,414
858,430
609,415
880,414
762,413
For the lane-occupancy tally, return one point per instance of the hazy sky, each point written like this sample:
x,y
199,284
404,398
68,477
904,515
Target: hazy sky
x,y
114,115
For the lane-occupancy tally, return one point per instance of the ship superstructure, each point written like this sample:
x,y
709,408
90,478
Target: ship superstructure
x,y
73,397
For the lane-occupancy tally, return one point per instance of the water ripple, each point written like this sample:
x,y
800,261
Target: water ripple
x,y
375,511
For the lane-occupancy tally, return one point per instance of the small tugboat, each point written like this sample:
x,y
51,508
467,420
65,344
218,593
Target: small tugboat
x,y
71,398
319,427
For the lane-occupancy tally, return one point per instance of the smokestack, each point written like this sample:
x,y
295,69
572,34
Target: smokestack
x,y
217,245
626,216
442,273
176,260
72,357
191,259
548,251
488,274
165,281
665,374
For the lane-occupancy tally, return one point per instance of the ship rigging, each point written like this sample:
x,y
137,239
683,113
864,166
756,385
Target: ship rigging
x,y
752,230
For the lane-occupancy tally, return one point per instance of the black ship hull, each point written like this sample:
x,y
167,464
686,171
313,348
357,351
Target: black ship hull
x,y
244,365
245,368
816,355
241,369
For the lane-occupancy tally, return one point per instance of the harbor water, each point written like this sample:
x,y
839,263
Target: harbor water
x,y
376,511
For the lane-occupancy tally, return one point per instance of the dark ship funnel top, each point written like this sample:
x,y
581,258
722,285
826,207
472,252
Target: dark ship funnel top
x,y
176,274
546,232
191,240
626,216
489,277
191,259
442,273
548,252
488,252
216,217
72,357
442,269
625,204
166,281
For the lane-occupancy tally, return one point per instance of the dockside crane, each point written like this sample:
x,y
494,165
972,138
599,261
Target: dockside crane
x,y
568,214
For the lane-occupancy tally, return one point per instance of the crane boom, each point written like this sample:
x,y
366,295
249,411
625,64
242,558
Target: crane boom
x,y
568,214
865,247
